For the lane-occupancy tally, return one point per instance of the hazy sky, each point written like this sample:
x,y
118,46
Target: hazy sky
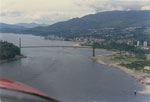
x,y
51,11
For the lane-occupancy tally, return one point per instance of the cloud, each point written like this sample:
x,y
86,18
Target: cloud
x,y
12,14
109,5
146,7
51,11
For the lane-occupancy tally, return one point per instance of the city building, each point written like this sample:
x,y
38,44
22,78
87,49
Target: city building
x,y
145,43
138,43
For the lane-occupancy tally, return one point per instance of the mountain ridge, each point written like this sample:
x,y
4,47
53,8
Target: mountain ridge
x,y
30,25
98,25
100,20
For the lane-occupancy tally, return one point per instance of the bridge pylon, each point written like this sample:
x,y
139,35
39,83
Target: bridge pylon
x,y
93,52
20,46
94,46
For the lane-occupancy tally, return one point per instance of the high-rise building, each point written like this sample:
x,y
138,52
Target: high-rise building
x,y
138,43
145,44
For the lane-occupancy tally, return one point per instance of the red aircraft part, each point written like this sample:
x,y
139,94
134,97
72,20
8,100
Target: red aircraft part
x,y
17,86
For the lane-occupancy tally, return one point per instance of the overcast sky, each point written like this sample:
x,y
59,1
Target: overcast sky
x,y
51,11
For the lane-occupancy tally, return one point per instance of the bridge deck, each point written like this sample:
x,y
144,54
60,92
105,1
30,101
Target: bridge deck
x,y
56,46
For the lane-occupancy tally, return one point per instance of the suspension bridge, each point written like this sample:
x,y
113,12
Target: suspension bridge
x,y
55,46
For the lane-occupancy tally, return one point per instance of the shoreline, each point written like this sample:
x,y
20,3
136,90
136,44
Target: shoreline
x,y
12,59
140,77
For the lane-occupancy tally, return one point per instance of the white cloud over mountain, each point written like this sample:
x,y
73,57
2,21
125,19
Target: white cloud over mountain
x,y
51,11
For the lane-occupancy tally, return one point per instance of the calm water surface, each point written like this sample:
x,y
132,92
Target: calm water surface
x,y
68,74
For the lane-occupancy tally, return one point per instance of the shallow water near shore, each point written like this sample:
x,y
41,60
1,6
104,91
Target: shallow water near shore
x,y
68,74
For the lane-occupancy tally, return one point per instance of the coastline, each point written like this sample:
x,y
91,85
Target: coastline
x,y
12,59
140,77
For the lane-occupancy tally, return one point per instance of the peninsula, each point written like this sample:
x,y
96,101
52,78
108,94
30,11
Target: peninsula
x,y
9,52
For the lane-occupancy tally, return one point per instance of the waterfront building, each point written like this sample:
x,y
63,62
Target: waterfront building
x,y
145,44
138,43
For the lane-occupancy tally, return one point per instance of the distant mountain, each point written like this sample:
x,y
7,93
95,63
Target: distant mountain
x,y
17,28
10,28
3,25
30,25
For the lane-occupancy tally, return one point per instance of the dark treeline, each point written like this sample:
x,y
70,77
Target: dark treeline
x,y
8,50
138,65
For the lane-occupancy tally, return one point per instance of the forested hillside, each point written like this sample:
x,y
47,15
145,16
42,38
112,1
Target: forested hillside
x,y
8,50
106,25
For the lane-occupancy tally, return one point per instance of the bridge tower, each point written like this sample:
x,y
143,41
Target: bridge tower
x,y
93,46
20,46
93,51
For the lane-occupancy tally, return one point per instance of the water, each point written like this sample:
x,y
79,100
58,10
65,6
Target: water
x,y
68,74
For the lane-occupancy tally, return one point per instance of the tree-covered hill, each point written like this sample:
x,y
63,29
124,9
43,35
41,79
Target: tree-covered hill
x,y
96,23
8,50
107,25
